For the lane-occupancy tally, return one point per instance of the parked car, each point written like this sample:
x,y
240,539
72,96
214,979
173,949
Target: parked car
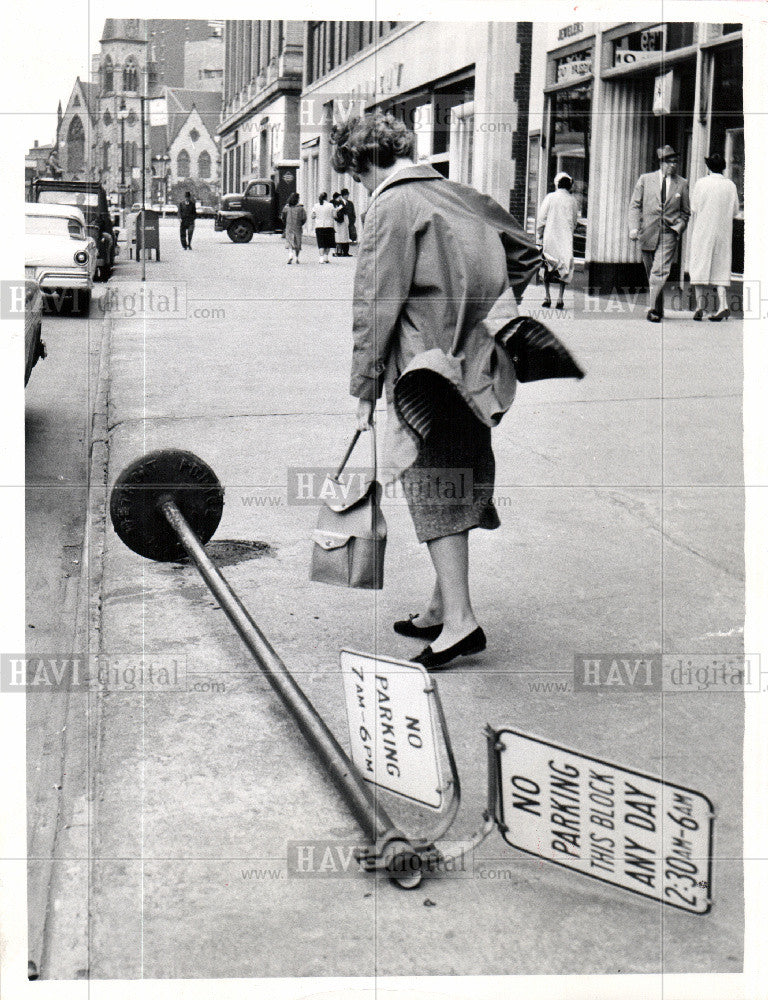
x,y
170,209
34,348
253,211
59,253
91,198
206,212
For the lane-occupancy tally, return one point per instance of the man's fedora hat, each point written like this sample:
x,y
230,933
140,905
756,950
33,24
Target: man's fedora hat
x,y
666,153
715,162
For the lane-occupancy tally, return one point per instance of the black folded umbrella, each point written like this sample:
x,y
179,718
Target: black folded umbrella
x,y
536,352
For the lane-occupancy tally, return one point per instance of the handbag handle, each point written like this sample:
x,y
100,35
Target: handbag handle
x,y
351,448
374,460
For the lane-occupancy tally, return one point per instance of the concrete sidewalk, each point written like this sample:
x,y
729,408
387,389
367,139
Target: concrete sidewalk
x,y
621,503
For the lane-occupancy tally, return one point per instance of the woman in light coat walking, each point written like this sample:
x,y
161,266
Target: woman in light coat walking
x,y
558,216
435,261
715,204
294,217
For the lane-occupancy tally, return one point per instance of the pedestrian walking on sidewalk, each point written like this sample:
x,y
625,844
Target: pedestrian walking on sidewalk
x,y
435,257
322,220
294,216
187,216
340,227
715,204
658,214
558,216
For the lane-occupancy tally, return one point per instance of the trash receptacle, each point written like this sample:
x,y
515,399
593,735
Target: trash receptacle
x,y
148,233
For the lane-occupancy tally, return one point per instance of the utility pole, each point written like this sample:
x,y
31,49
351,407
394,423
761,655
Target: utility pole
x,y
143,194
122,114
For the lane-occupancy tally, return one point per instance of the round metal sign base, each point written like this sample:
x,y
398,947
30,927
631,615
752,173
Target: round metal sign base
x,y
135,503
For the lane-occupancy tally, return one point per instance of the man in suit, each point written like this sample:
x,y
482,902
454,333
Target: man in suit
x,y
658,214
351,214
187,216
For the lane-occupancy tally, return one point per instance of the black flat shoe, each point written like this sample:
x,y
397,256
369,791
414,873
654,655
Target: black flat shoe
x,y
427,634
472,643
559,304
652,316
723,314
546,304
699,315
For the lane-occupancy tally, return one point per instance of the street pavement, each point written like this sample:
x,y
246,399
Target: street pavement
x,y
621,504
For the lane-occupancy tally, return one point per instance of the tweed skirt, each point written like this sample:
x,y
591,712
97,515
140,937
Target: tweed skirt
x,y
449,488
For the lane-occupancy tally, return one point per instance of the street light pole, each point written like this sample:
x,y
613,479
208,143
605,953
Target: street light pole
x,y
122,114
142,99
166,165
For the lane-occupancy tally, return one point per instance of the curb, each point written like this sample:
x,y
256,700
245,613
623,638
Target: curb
x,y
70,837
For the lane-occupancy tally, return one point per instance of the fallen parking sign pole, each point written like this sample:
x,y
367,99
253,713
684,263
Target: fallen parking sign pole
x,y
168,504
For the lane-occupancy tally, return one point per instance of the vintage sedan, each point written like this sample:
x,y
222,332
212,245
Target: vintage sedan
x,y
60,255
34,348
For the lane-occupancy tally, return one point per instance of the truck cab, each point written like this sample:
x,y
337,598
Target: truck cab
x,y
258,208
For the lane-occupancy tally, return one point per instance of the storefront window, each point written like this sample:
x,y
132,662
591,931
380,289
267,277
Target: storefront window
x,y
727,131
532,191
569,139
734,157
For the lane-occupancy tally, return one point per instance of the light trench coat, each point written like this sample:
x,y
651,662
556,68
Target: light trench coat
x,y
437,271
558,216
715,204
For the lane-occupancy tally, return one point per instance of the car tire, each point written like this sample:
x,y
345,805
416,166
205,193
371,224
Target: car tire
x,y
83,301
240,231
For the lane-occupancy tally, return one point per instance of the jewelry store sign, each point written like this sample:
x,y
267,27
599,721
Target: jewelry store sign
x,y
621,826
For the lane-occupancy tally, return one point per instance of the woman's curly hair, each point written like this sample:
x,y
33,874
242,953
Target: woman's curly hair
x,y
376,139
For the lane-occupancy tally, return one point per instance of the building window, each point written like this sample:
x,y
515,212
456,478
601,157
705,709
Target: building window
x,y
75,146
182,164
532,188
130,76
109,76
105,160
194,135
461,143
130,155
569,139
107,118
76,101
204,165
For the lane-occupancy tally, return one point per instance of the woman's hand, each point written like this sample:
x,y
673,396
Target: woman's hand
x,y
364,414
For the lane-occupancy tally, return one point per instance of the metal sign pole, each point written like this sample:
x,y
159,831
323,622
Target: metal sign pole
x,y
148,506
